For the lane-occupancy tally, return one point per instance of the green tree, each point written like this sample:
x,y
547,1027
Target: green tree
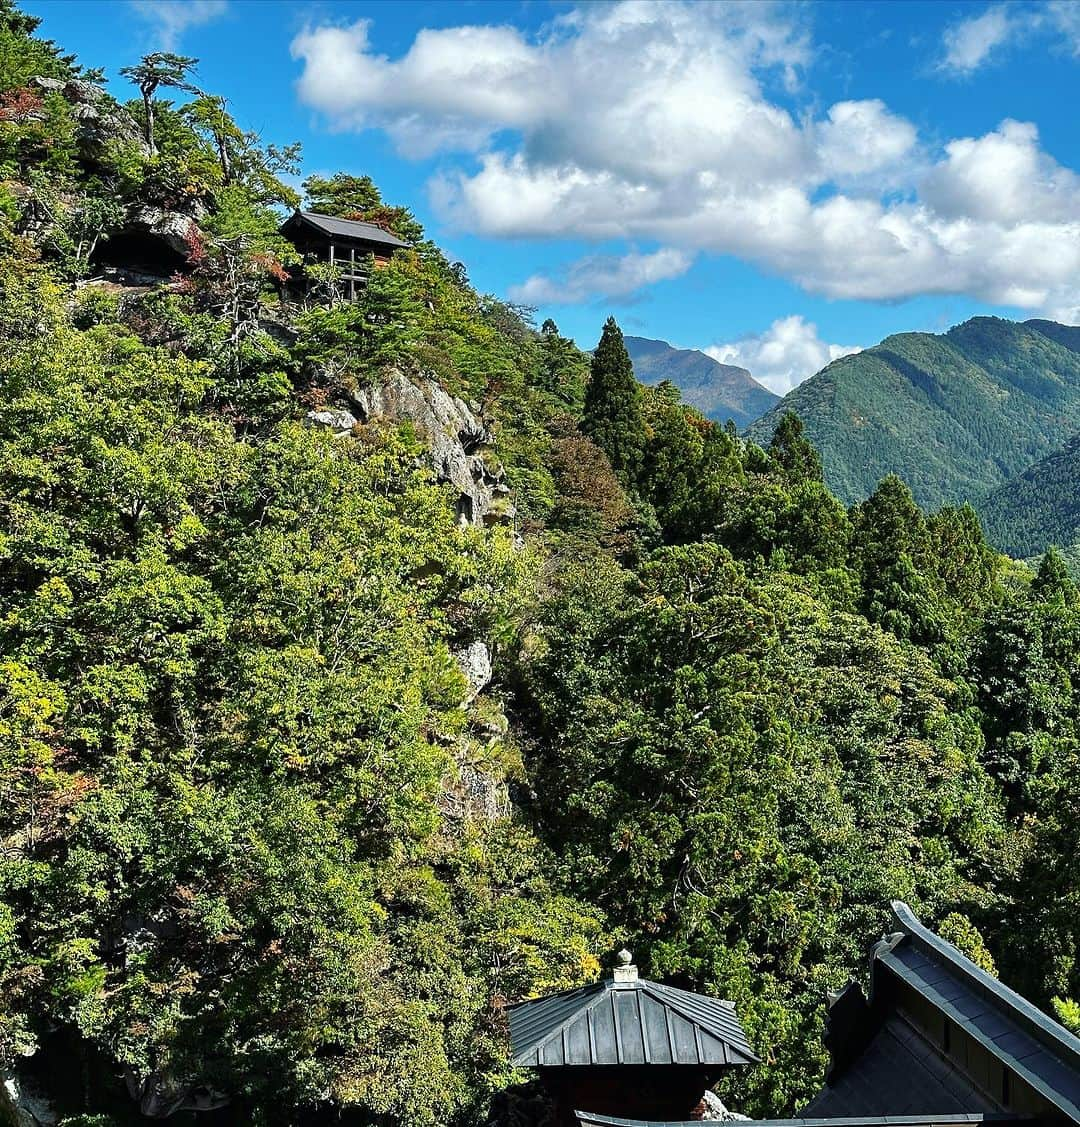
x,y
357,197
159,68
793,452
613,416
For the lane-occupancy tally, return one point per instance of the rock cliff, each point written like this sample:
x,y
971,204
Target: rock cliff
x,y
459,444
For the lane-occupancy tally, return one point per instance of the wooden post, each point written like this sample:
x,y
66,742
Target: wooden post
x,y
352,273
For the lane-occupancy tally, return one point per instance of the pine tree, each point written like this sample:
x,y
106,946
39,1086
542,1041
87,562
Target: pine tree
x,y
613,413
160,68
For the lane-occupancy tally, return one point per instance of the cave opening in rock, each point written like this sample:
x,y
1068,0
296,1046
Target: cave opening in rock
x,y
140,252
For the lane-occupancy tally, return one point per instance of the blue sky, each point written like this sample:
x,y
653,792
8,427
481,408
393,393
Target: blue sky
x,y
774,182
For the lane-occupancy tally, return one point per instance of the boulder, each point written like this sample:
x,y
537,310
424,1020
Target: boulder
x,y
716,1112
474,661
455,437
173,228
23,1103
339,421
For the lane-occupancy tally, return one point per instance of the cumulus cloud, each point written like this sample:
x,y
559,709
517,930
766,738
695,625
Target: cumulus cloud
x,y
1003,177
971,42
787,353
603,276
169,19
663,123
858,138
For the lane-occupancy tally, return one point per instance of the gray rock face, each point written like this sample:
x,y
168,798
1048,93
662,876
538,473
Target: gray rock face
x,y
716,1112
99,119
476,795
455,437
160,1096
474,661
340,422
23,1104
174,228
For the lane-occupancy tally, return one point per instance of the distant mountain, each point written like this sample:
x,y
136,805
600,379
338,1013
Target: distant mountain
x,y
718,391
955,415
1040,507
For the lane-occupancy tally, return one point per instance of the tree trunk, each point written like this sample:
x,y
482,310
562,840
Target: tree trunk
x,y
148,103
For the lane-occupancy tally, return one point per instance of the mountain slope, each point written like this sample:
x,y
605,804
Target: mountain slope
x,y
955,415
718,391
1039,508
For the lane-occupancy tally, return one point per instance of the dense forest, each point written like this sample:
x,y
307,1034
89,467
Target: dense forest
x,y
268,847
1038,508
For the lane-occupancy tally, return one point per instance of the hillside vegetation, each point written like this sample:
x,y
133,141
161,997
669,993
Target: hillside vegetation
x,y
276,842
1039,508
954,415
719,391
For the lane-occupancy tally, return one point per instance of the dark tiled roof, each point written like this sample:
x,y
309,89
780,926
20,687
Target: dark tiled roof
x,y
634,1022
1022,1037
899,1073
588,1119
347,228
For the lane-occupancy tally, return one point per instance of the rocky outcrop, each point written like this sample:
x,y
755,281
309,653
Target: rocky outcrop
x,y
474,661
339,421
458,441
99,119
159,1096
716,1112
23,1104
175,229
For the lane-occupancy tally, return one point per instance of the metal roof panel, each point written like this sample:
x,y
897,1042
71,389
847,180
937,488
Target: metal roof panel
x,y
627,1022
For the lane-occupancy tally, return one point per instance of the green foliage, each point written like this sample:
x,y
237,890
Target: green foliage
x,y
227,701
1037,508
159,68
613,417
357,197
244,851
964,935
1068,1013
792,451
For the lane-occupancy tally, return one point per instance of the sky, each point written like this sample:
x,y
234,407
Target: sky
x,y
775,183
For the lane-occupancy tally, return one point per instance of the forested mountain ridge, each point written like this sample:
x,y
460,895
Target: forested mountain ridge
x,y
276,841
719,391
955,415
1038,508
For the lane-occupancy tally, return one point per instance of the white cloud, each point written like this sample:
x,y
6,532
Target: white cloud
x,y
171,18
973,43
655,123
603,276
1065,19
858,138
970,43
1003,177
787,353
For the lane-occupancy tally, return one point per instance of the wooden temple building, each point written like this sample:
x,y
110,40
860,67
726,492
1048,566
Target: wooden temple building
x,y
349,244
938,1042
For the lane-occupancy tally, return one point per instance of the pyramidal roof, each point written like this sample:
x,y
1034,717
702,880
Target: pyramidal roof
x,y
627,1020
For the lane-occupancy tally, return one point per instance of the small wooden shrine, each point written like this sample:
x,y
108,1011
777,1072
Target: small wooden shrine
x,y
348,244
627,1046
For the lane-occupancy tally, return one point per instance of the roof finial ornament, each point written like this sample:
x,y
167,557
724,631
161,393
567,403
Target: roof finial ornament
x,y
625,971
